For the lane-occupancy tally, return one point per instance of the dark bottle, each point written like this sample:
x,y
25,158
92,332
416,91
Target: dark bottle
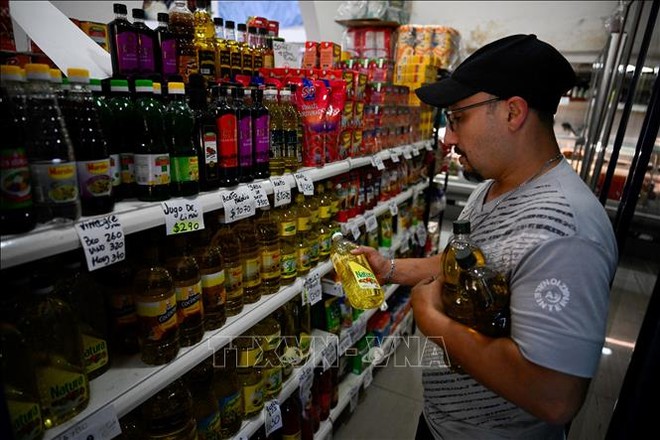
x,y
291,413
123,43
125,126
152,160
245,145
322,392
169,413
228,391
227,122
205,134
148,55
205,406
212,271
167,47
260,134
16,206
288,351
183,155
89,144
107,122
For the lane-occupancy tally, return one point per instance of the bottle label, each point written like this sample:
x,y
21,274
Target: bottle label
x,y
123,309
127,52
115,169
236,58
208,428
257,62
245,140
127,168
273,341
146,59
63,390
206,63
272,379
210,143
304,259
157,317
276,143
364,277
94,178
95,353
325,243
291,143
55,183
168,57
213,289
314,250
225,60
288,265
287,229
152,169
251,273
234,282
304,223
227,129
189,301
15,179
296,436
270,264
261,138
250,356
253,398
25,419
247,63
187,64
185,169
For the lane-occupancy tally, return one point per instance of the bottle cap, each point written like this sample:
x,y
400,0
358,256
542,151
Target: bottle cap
x,y
337,236
461,227
157,88
229,24
138,13
176,88
118,85
37,71
218,21
55,76
77,75
119,8
163,17
241,27
465,258
144,85
10,73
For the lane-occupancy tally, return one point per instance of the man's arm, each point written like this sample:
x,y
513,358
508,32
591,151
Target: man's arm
x,y
407,271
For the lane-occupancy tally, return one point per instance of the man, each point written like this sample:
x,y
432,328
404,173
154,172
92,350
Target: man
x,y
538,224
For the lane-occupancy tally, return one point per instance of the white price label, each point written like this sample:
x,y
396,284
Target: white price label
x,y
370,221
421,234
305,184
329,353
238,204
312,288
345,343
355,229
368,377
354,397
102,240
259,195
428,146
377,162
282,191
101,425
306,381
394,208
273,416
182,215
415,150
394,155
407,152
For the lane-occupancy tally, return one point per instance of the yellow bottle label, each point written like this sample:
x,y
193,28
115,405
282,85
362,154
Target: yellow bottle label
x,y
270,264
25,419
213,288
305,342
324,212
189,300
273,341
62,391
272,380
288,229
95,353
304,258
288,265
251,275
296,436
304,223
158,316
249,357
253,398
234,282
364,277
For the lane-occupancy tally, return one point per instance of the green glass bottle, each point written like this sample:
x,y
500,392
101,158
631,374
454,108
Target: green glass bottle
x,y
184,157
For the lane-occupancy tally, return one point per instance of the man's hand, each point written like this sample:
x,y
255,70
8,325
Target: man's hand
x,y
427,304
379,264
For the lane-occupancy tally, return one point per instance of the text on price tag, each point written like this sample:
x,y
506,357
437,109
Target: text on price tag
x,y
407,152
182,215
329,353
394,208
377,161
238,204
273,419
313,289
394,155
370,222
305,184
102,240
259,195
354,228
345,343
102,425
428,146
281,191
415,150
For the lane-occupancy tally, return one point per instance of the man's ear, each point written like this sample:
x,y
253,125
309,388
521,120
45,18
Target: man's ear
x,y
518,110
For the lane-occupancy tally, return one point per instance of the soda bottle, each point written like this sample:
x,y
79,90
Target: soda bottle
x,y
212,270
148,49
245,146
205,407
123,43
270,364
183,154
230,248
277,145
204,41
156,307
167,48
269,243
126,129
250,377
250,258
260,134
152,160
182,25
290,126
17,208
169,413
50,152
303,236
188,287
357,278
227,390
286,217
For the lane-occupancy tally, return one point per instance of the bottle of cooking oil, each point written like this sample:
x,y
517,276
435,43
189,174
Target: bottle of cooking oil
x,y
250,257
277,143
206,411
303,320
182,24
249,376
270,365
312,203
227,390
357,278
230,248
156,307
212,271
288,251
288,351
290,126
55,342
188,287
385,234
19,384
303,236
458,305
269,243
204,41
325,230
169,414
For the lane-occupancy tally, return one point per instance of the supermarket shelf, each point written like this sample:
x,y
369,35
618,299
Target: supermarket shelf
x,y
325,430
129,382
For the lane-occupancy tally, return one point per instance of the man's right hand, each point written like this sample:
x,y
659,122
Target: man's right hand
x,y
379,264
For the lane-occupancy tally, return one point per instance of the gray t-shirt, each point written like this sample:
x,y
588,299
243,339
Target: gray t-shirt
x,y
554,242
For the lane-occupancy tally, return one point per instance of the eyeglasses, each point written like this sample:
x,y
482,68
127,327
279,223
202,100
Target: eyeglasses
x,y
449,114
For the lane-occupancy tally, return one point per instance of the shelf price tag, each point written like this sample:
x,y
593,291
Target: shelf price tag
x,y
259,195
406,152
329,353
368,377
282,191
354,228
394,155
305,383
370,221
394,208
404,246
182,215
377,162
415,150
237,204
312,287
421,234
273,416
305,184
102,240
102,425
428,146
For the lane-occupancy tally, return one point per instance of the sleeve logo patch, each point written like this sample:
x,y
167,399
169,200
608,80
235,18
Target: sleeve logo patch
x,y
552,295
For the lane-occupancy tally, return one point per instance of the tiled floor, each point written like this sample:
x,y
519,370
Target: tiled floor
x,y
392,404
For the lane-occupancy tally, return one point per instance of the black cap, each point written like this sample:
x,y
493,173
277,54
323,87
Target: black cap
x,y
241,27
138,13
119,8
461,227
163,17
465,258
218,21
518,65
229,24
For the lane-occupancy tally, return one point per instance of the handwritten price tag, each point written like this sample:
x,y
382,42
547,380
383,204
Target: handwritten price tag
x,y
305,184
377,161
273,419
313,289
182,215
103,425
102,240
259,195
394,155
407,152
354,228
238,204
394,208
370,221
282,191
329,353
415,150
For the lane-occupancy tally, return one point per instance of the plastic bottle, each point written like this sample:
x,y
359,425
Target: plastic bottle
x,y
303,236
260,135
325,227
152,159
148,50
322,392
123,43
106,119
303,320
270,363
300,129
277,145
54,339
182,24
188,287
230,248
269,243
124,139
291,412
169,414
250,377
212,271
289,350
286,217
50,152
167,45
17,208
227,121
290,126
204,41
156,307
247,58
357,278
250,258
312,203
245,145
227,390
236,56
205,407
224,55
184,156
